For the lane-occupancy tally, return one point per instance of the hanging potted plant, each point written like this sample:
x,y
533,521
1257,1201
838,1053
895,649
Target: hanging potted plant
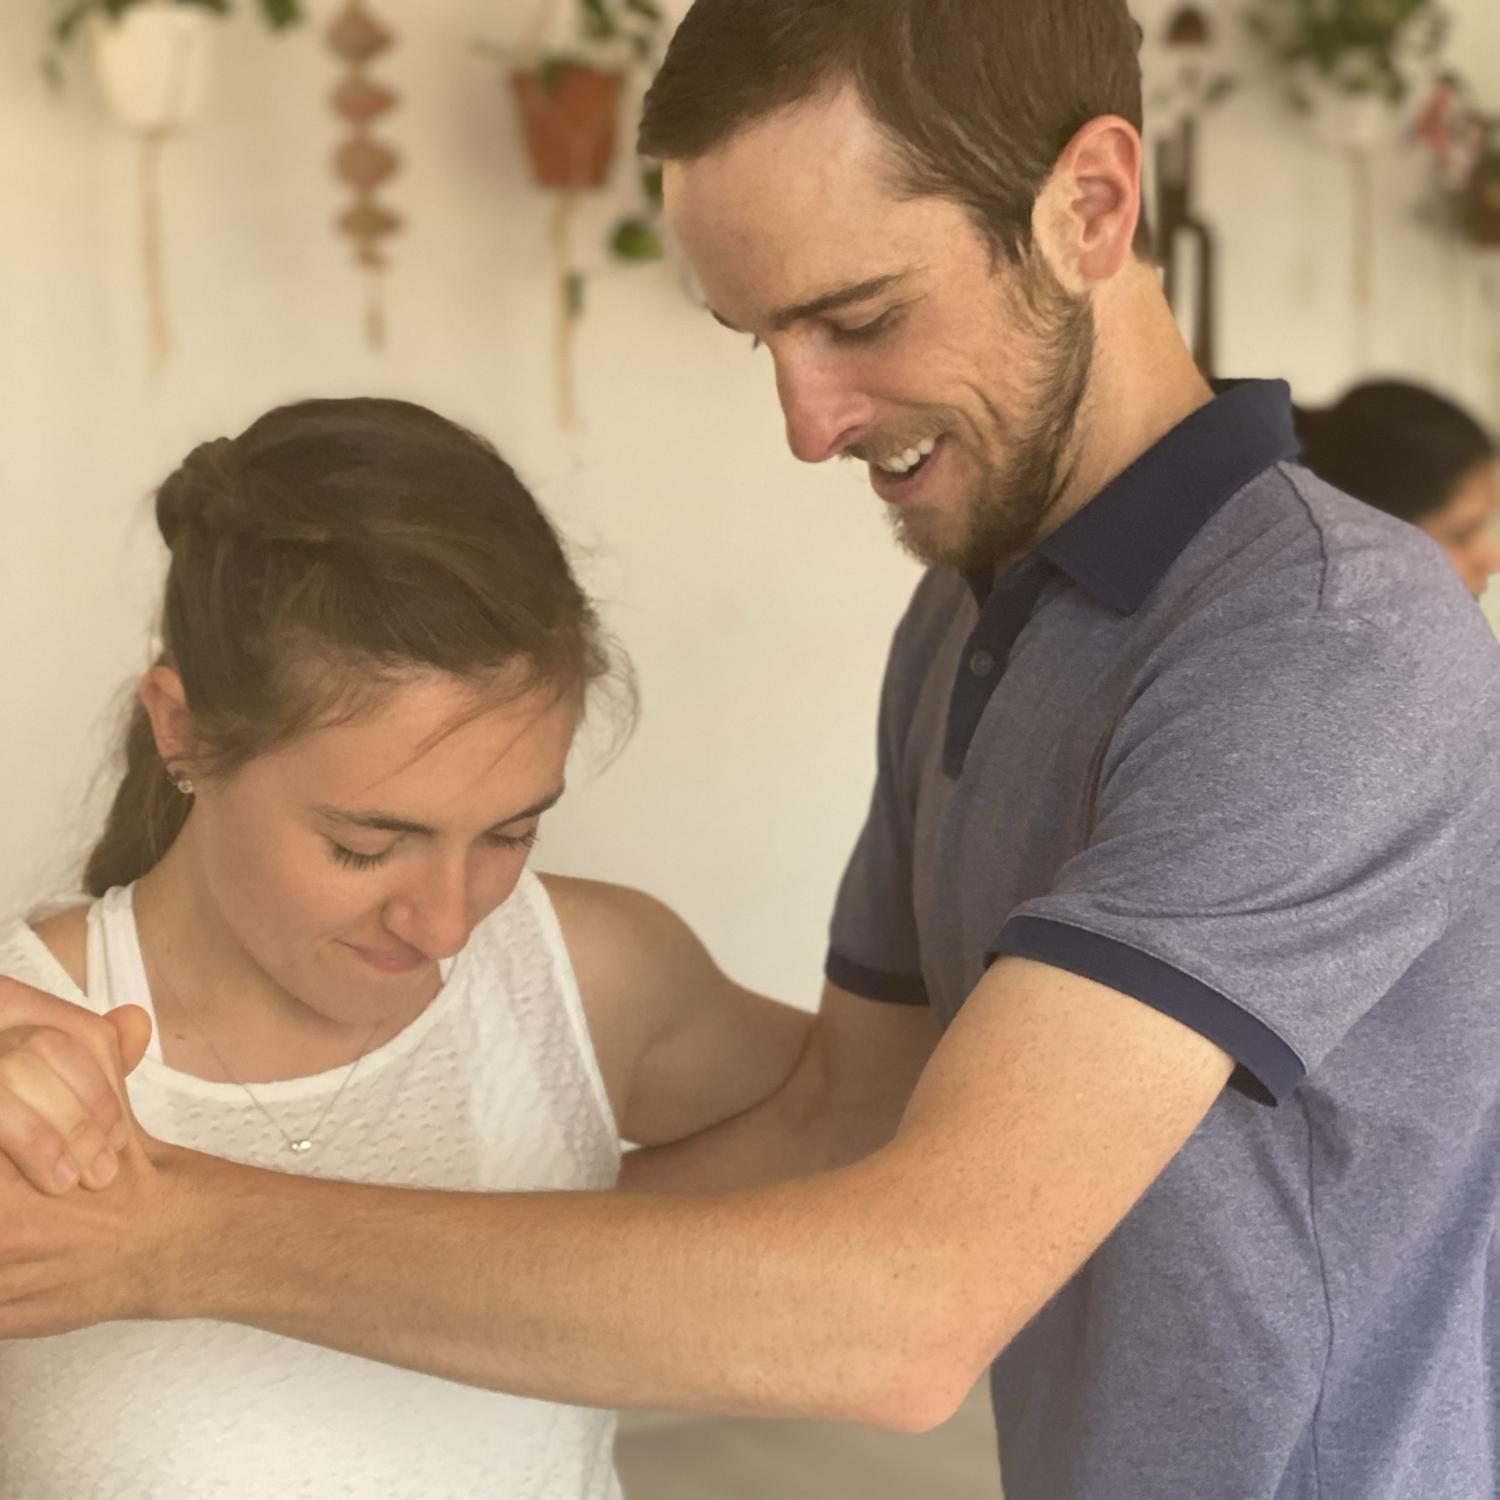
x,y
568,79
150,58
1352,68
1465,146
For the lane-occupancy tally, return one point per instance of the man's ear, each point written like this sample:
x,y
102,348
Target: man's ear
x,y
1085,217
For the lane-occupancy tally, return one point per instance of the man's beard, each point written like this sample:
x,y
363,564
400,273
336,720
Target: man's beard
x,y
1009,515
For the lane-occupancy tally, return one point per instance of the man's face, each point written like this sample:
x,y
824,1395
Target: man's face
x,y
895,332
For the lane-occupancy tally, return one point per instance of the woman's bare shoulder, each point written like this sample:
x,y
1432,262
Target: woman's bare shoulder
x,y
66,935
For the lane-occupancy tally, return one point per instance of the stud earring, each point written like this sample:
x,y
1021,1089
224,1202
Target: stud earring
x,y
181,780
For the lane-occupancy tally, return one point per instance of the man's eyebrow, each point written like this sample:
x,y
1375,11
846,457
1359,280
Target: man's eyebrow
x,y
383,823
831,301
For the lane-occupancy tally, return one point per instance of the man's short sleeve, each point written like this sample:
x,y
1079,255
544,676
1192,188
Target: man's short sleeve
x,y
1272,840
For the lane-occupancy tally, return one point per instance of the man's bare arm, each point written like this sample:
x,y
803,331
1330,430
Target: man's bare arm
x,y
874,1293
859,1065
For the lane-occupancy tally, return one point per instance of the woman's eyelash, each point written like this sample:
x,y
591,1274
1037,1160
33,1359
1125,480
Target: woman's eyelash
x,y
517,840
352,861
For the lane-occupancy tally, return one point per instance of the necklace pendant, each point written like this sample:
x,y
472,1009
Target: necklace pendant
x,y
300,1147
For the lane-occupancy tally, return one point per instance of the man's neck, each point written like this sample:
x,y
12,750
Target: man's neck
x,y
1143,384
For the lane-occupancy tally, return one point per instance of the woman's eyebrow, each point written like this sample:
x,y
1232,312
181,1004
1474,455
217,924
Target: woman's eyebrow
x,y
380,822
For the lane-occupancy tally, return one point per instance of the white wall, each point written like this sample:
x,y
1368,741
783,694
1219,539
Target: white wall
x,y
756,595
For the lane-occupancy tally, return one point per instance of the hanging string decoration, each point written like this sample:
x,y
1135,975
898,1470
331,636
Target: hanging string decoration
x,y
362,162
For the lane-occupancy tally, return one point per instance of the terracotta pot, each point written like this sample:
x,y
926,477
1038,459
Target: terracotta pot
x,y
570,125
152,65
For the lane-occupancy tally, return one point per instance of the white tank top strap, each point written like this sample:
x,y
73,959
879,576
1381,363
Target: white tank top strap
x,y
545,916
116,966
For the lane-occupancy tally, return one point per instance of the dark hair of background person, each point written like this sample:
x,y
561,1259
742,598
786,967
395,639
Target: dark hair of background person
x,y
1397,446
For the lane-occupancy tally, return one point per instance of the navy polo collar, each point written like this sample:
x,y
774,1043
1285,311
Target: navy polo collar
x,y
1121,544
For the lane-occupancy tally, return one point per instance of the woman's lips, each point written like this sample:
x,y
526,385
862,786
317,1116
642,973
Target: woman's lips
x,y
402,960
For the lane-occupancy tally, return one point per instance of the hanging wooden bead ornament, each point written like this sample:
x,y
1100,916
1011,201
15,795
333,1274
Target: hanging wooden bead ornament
x,y
362,162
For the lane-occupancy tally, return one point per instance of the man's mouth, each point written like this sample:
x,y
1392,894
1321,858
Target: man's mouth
x,y
907,463
902,476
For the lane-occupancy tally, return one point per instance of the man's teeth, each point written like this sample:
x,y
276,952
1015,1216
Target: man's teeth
x,y
904,463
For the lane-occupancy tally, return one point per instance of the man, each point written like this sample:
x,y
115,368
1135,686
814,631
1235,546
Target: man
x,y
1180,838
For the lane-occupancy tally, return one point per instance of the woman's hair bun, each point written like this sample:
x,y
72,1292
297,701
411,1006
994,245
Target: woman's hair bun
x,y
206,494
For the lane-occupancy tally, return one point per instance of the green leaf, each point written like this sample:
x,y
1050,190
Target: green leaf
x,y
577,294
637,240
651,183
1219,90
598,24
553,70
70,20
282,13
646,8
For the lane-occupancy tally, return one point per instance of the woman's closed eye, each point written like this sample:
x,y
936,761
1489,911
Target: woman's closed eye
x,y
354,859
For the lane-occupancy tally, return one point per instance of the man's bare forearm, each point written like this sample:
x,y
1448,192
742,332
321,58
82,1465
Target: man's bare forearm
x,y
586,1298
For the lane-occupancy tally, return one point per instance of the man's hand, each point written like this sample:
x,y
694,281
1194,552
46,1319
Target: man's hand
x,y
63,1115
70,1262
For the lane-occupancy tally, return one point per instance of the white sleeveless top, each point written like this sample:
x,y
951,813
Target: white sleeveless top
x,y
495,1088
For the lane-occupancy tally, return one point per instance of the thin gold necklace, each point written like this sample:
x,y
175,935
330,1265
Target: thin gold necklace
x,y
300,1145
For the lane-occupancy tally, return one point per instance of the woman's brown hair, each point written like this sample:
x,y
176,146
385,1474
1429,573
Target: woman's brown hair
x,y
327,551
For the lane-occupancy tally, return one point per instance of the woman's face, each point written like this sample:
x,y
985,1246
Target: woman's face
x,y
348,863
1461,527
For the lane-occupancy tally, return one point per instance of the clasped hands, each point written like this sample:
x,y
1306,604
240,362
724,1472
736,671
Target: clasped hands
x,y
71,1258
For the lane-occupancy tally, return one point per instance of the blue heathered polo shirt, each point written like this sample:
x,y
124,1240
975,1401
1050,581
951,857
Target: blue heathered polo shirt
x,y
1229,742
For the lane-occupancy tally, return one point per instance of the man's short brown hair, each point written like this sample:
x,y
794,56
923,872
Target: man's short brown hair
x,y
979,97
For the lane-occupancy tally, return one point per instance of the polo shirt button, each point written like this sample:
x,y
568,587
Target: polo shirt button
x,y
982,663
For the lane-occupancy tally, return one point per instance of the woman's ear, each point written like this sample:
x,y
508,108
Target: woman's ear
x,y
165,700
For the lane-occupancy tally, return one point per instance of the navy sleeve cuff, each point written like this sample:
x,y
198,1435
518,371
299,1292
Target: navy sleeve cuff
x,y
1270,1070
871,984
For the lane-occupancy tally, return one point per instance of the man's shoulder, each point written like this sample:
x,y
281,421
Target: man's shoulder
x,y
1292,556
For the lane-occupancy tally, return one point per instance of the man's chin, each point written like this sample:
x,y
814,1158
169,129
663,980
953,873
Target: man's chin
x,y
929,541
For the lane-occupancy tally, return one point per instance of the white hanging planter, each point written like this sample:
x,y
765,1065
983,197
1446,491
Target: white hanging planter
x,y
152,65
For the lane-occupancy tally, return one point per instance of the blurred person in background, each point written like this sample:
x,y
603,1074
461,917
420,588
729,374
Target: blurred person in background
x,y
1416,455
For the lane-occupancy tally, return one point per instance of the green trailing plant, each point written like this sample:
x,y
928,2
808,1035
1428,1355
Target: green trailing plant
x,y
68,17
1364,48
613,35
639,238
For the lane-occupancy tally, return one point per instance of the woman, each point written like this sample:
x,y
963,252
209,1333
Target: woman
x,y
1410,452
313,878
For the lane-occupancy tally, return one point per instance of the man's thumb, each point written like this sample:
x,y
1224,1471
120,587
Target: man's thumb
x,y
133,1032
